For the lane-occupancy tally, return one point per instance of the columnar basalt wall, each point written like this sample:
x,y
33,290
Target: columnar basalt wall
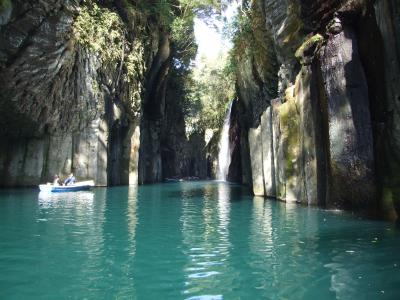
x,y
328,135
350,142
71,78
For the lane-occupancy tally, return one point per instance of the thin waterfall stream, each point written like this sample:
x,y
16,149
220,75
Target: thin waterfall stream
x,y
224,155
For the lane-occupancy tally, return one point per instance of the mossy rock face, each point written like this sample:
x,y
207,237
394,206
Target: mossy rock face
x,y
5,11
306,51
390,203
73,69
290,142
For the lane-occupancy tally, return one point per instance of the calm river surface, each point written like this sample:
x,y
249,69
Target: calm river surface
x,y
190,240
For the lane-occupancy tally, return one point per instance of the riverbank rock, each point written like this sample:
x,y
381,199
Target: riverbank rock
x,y
333,123
83,85
350,149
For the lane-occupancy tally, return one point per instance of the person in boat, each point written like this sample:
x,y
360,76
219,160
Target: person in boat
x,y
56,181
70,180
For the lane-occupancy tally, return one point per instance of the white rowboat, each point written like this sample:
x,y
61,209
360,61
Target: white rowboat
x,y
78,186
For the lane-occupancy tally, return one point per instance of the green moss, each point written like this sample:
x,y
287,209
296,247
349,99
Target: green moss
x,y
281,191
308,44
135,62
4,5
100,30
388,203
290,134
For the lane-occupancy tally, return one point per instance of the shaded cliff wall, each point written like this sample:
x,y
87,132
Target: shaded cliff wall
x,y
235,173
386,48
71,80
166,151
320,106
182,156
153,105
174,144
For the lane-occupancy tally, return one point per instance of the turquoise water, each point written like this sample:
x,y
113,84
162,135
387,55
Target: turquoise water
x,y
192,240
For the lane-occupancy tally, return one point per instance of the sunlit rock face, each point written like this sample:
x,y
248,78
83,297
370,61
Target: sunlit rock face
x,y
70,101
330,137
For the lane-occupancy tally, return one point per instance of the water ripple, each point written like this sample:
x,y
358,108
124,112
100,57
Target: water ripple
x,y
203,274
193,240
206,297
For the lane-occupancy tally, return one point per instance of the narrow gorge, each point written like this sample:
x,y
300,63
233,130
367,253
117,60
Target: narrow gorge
x,y
100,88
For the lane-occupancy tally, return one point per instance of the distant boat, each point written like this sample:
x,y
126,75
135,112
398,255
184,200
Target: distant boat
x,y
78,186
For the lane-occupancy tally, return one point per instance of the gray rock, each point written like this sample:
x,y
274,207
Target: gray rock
x,y
310,137
387,17
63,106
255,145
350,149
278,151
268,153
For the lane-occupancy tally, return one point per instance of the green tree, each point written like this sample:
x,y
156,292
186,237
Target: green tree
x,y
210,92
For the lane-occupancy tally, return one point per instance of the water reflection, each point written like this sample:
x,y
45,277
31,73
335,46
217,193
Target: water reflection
x,y
224,198
72,208
132,217
69,231
101,236
119,234
47,200
360,255
206,240
261,243
284,251
92,248
189,240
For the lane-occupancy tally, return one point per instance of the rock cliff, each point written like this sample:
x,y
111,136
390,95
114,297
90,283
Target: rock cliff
x,y
318,83
82,87
90,87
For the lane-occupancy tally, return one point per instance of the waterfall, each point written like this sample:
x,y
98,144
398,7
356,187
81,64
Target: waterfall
x,y
224,155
